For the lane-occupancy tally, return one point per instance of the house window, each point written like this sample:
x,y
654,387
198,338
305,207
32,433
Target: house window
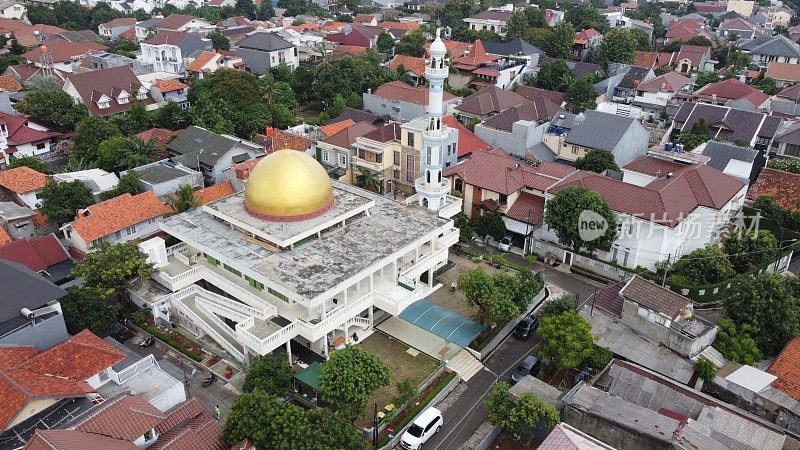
x,y
325,157
103,104
410,168
277,294
122,99
362,153
396,174
396,158
103,375
130,230
211,260
503,199
141,96
148,435
379,157
41,146
410,139
254,283
232,270
342,159
459,185
574,150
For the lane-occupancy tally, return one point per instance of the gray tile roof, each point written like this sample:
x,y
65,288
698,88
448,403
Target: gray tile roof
x,y
265,41
23,288
599,130
193,139
721,154
534,111
158,173
773,46
511,48
654,297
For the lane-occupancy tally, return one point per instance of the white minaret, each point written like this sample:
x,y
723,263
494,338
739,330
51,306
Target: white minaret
x,y
431,187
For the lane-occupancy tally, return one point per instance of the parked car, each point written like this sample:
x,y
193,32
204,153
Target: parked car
x,y
424,426
530,366
505,244
525,328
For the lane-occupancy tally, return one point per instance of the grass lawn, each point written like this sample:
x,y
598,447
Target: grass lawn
x,y
402,365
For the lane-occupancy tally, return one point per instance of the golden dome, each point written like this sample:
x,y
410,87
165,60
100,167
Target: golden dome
x,y
288,185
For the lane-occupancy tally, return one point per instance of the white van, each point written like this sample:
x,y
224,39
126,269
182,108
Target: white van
x,y
424,426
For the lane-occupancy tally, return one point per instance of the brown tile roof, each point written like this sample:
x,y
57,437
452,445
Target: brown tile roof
x,y
399,91
489,100
541,109
468,142
666,200
653,166
655,297
36,254
493,15
64,50
496,171
527,208
125,417
120,22
410,63
215,192
28,36
732,89
175,21
242,169
170,85
792,93
532,93
346,137
282,140
168,37
27,72
674,81
58,372
408,26
159,136
693,53
333,128
11,25
22,179
117,214
91,86
783,71
189,426
4,237
9,83
384,133
74,440
784,186
352,50
787,368
20,132
476,57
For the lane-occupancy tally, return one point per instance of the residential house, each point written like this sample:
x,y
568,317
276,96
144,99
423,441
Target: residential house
x,y
412,66
516,49
623,81
377,153
24,185
275,139
130,422
585,40
553,16
162,178
464,66
739,27
468,142
402,102
158,136
42,324
687,28
787,140
96,181
739,162
43,255
336,153
628,406
106,60
211,153
635,24
61,54
116,27
784,74
328,130
572,136
170,90
366,19
532,93
145,28
784,186
356,36
767,49
108,91
167,49
580,68
118,220
11,9
787,101
209,61
653,60
781,16
17,222
730,90
21,137
519,128
693,58
356,115
182,22
264,50
491,20
486,103
653,96
728,124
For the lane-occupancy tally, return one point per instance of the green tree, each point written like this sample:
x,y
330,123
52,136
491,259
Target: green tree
x,y
705,265
184,199
269,373
564,212
15,48
126,47
706,78
787,164
464,225
110,153
113,267
768,302
366,179
619,46
265,11
87,308
582,94
129,183
701,41
54,107
543,38
701,132
458,10
269,423
521,416
561,44
555,76
495,296
385,42
706,370
406,393
28,161
599,358
169,116
136,120
566,339
767,85
748,249
89,134
246,8
559,305
643,41
219,41
596,161
411,44
491,224
61,200
738,344
350,377
585,16
331,431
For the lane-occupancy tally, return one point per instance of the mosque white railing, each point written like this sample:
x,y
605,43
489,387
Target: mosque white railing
x,y
335,318
206,327
238,307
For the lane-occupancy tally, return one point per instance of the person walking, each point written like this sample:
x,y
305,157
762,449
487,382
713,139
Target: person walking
x,y
453,286
217,411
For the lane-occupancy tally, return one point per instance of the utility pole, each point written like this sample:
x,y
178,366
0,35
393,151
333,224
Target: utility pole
x,y
666,268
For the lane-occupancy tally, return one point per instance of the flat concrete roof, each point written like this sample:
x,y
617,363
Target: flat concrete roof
x,y
318,265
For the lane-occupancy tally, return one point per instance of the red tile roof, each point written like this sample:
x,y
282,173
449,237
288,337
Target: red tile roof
x,y
408,26
58,372
120,22
732,89
242,169
468,142
63,50
215,192
56,439
346,137
159,136
4,237
783,71
91,86
125,417
352,50
36,254
168,37
175,21
410,64
201,60
21,180
527,208
333,128
455,48
787,368
20,132
399,91
170,85
281,139
10,84
476,57
117,214
496,171
784,186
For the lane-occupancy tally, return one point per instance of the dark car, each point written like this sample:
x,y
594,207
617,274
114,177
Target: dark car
x,y
530,366
525,328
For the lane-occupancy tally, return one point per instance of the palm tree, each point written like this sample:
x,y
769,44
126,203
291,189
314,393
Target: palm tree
x,y
184,199
268,86
367,180
45,83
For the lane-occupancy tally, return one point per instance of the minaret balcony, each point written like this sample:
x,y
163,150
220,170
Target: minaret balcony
x,y
432,188
430,72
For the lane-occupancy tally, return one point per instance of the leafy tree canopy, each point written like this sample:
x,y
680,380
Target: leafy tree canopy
x,y
219,41
350,377
269,423
748,249
557,306
582,95
28,161
738,344
555,76
89,134
411,44
585,16
706,370
521,416
54,107
618,46
787,164
129,183
563,215
61,200
113,267
87,308
596,161
566,339
705,265
491,224
269,373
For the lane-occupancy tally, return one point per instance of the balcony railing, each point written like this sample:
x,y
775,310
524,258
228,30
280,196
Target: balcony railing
x,y
434,188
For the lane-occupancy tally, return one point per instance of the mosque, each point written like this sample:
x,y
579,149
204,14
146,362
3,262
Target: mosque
x,y
297,257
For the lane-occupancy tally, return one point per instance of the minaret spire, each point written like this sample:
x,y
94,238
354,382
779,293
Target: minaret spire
x,y
431,187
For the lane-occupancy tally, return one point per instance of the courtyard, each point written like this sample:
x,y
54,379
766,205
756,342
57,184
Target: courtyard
x,y
414,366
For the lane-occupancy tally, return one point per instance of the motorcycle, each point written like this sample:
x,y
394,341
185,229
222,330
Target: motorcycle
x,y
148,342
209,380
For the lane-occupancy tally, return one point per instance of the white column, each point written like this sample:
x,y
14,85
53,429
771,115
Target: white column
x,y
371,317
430,278
346,334
289,350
